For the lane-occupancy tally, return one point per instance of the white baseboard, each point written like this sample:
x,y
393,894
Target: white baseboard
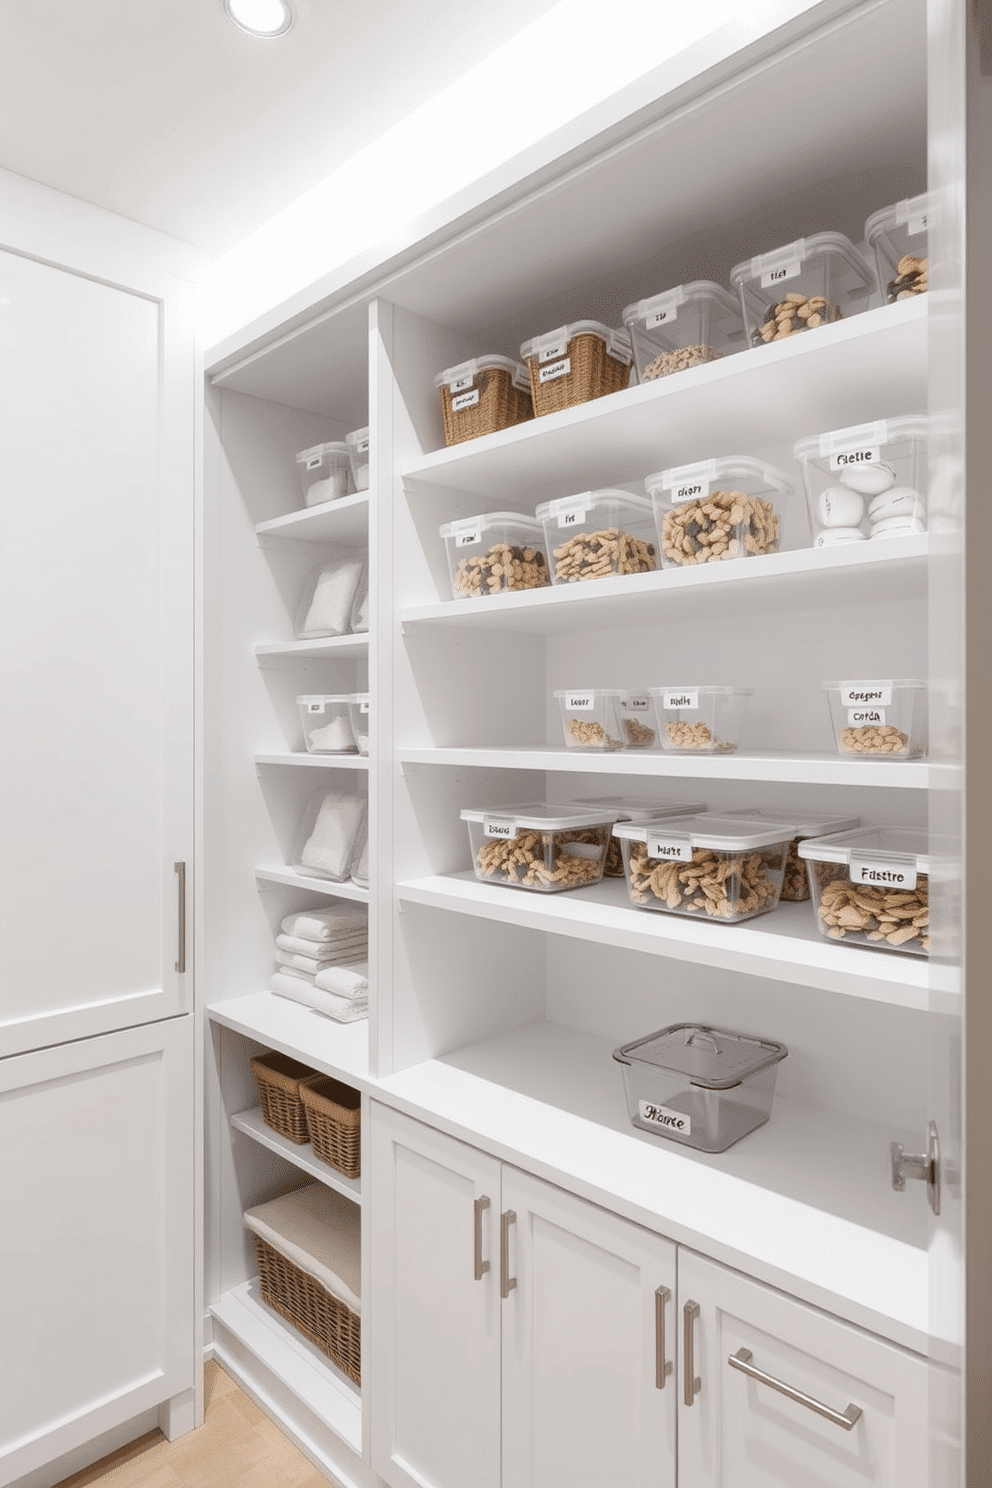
x,y
92,1451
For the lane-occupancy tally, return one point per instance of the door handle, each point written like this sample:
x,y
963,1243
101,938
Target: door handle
x,y
692,1384
845,1419
481,1266
506,1281
662,1367
925,1165
180,870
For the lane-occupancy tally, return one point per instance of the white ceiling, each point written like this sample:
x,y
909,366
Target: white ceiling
x,y
162,111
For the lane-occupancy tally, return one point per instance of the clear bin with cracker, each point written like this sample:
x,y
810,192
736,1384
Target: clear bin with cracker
x,y
682,328
546,848
482,396
715,510
795,885
898,237
700,720
871,887
801,286
629,808
724,868
494,554
598,534
576,363
589,718
866,482
882,718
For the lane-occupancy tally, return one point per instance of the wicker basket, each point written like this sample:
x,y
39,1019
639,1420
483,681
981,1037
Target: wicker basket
x,y
334,1120
499,404
303,1302
593,373
278,1079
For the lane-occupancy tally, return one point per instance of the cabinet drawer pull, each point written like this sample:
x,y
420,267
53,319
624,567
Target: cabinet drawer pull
x,y
481,1266
180,870
506,1281
692,1384
844,1419
662,1367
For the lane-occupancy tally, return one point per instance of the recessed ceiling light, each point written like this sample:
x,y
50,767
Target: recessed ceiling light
x,y
261,17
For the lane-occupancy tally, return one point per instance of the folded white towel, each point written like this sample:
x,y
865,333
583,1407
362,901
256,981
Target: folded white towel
x,y
326,924
349,980
288,983
341,1009
321,950
331,845
308,964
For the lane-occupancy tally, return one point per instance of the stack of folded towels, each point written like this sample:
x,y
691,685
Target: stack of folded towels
x,y
322,957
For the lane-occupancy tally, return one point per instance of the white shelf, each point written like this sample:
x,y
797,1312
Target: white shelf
x,y
338,1049
303,1157
871,366
278,874
784,945
316,761
346,520
895,570
804,1202
336,648
791,769
299,1367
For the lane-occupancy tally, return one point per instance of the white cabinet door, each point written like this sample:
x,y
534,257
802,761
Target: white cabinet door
x,y
589,1387
97,1238
743,1432
432,1329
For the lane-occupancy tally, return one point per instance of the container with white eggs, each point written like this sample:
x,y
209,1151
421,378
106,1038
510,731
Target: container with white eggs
x,y
866,482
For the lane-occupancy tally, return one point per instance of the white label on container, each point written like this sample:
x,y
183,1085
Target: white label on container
x,y
362,445
574,517
696,490
783,272
882,875
465,400
687,699
556,369
865,455
664,847
662,316
461,384
315,707
579,702
552,350
859,717
499,829
676,1121
635,702
467,538
852,693
916,225
315,462
363,707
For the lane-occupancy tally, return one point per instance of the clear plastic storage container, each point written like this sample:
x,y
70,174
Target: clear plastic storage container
x,y
328,601
728,868
483,395
358,457
696,719
717,509
495,553
576,363
698,322
537,846
329,837
627,808
598,534
868,481
872,887
703,1087
358,712
325,472
795,885
589,718
898,238
879,719
806,284
635,715
326,720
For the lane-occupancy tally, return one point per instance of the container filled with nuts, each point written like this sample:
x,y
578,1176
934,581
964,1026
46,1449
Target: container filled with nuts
x,y
482,396
725,868
700,720
628,808
684,327
599,535
897,236
576,363
872,887
795,884
716,510
325,472
866,482
589,717
494,554
879,719
809,283
537,846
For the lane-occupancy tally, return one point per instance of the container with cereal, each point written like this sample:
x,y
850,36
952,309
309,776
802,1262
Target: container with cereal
x,y
872,887
809,283
358,454
358,711
482,396
325,472
698,322
629,808
495,553
885,718
715,510
589,717
728,868
866,482
326,721
696,719
598,534
897,236
576,363
537,846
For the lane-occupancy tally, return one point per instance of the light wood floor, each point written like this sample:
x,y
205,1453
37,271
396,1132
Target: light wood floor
x,y
236,1447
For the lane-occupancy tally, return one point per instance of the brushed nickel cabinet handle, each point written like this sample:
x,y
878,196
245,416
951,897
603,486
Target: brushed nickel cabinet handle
x,y
845,1419
481,1266
662,1367
506,1281
180,869
691,1383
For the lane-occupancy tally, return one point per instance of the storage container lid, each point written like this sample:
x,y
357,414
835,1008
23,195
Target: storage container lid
x,y
358,440
694,482
720,833
543,816
859,693
591,501
881,854
359,698
808,823
800,252
672,694
629,808
714,1058
656,309
910,213
862,439
459,379
318,453
324,697
469,530
554,344
587,692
